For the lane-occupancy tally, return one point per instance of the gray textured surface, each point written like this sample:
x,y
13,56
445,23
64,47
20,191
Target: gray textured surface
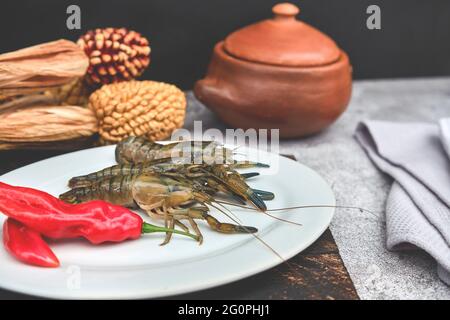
x,y
376,272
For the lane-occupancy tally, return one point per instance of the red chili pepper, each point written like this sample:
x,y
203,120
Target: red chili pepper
x,y
96,221
27,245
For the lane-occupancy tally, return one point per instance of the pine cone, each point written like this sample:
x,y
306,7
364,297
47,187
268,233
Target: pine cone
x,y
138,108
115,55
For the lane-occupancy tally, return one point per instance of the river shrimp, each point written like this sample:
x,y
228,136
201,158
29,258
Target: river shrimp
x,y
160,197
141,150
216,178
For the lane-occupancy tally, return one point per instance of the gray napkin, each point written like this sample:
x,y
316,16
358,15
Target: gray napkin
x,y
418,206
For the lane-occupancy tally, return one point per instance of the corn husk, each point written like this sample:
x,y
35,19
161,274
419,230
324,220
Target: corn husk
x,y
74,144
9,105
41,124
75,93
41,67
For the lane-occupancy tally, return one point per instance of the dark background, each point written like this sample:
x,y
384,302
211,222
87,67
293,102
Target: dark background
x,y
414,39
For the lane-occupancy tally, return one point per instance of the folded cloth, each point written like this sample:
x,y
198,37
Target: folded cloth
x,y
418,206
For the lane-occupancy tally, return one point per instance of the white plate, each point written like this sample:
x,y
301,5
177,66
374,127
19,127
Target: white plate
x,y
143,269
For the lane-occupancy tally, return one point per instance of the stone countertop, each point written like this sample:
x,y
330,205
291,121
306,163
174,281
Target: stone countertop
x,y
376,272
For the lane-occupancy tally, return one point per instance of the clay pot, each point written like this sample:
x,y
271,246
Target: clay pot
x,y
279,73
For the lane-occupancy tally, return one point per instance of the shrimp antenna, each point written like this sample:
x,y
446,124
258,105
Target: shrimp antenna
x,y
325,206
254,235
239,153
230,215
267,214
302,207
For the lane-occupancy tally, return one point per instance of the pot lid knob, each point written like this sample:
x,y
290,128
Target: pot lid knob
x,y
285,11
282,41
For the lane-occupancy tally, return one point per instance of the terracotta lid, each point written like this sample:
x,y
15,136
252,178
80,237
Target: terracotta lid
x,y
282,40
